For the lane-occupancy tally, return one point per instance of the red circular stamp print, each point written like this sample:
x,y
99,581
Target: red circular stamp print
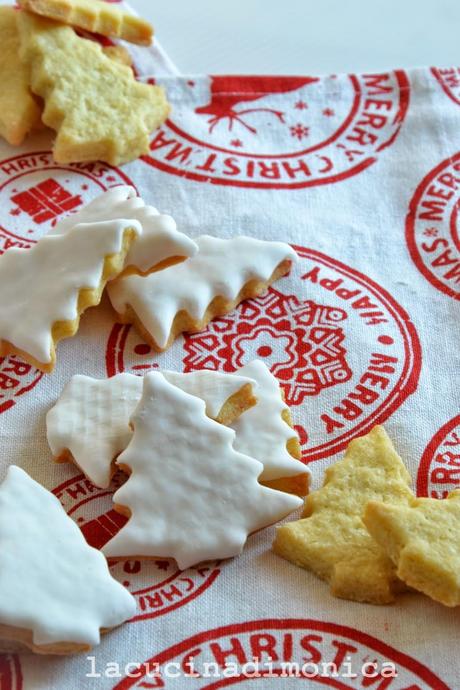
x,y
10,672
344,351
36,192
449,80
432,227
439,469
279,132
16,379
157,585
266,651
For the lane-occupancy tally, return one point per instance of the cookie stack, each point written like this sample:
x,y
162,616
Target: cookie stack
x,y
366,534
191,493
89,93
119,238
90,423
207,458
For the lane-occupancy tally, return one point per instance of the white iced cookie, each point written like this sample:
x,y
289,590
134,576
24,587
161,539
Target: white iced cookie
x,y
190,496
46,288
187,296
264,433
56,591
225,396
89,424
160,243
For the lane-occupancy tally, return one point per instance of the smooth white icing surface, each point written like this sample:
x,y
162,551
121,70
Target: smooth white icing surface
x,y
91,418
106,206
51,581
214,387
40,286
220,268
160,239
261,432
192,497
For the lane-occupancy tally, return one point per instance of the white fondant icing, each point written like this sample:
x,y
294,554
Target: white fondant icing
x,y
91,418
51,581
41,285
220,268
191,496
106,206
261,432
160,239
214,387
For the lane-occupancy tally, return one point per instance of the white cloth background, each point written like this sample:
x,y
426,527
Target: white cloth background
x,y
353,171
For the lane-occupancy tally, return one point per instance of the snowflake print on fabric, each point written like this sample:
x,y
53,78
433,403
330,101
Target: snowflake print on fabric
x,y
299,131
301,342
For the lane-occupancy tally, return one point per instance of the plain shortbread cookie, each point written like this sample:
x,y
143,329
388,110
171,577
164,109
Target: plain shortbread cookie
x,y
95,104
332,540
423,540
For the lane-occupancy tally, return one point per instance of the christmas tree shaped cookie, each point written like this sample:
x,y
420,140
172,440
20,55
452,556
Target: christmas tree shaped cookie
x,y
95,104
19,111
423,541
331,539
160,244
56,592
189,496
45,289
212,283
95,16
265,432
89,425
